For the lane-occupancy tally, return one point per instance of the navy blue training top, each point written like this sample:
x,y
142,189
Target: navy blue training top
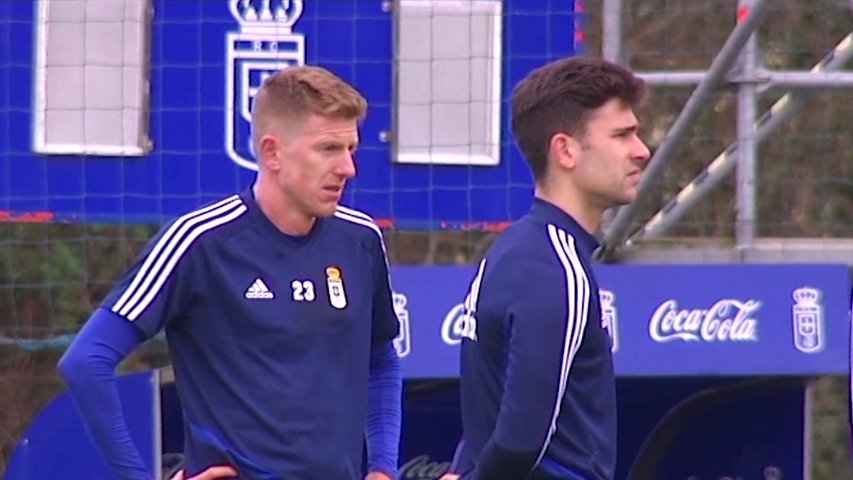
x,y
270,335
538,388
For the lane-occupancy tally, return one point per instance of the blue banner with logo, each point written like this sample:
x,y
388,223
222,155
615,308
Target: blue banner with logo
x,y
207,60
665,320
709,359
57,444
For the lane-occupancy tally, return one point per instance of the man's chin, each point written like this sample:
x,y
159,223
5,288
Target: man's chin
x,y
629,196
623,200
327,209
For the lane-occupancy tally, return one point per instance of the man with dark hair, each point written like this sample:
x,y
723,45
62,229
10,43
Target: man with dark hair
x,y
538,388
277,307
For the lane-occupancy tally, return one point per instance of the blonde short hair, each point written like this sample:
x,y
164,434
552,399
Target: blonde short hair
x,y
302,90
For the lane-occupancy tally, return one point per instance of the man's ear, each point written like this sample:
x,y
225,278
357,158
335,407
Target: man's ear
x,y
268,152
564,150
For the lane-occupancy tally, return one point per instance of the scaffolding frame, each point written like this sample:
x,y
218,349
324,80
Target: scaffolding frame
x,y
736,64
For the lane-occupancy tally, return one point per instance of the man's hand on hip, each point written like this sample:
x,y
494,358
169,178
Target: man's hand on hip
x,y
212,473
378,476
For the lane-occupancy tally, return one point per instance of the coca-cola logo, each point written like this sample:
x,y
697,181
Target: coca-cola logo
x,y
423,467
453,325
459,323
726,320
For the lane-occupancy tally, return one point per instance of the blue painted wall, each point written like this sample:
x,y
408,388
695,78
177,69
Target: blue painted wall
x,y
189,165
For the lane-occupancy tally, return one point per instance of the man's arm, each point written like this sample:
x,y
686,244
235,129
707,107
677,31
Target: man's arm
x,y
155,291
88,368
461,462
384,409
546,324
385,380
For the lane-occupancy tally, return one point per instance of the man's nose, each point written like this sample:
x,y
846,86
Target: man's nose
x,y
641,150
346,167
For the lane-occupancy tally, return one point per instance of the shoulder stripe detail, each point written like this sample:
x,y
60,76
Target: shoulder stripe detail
x,y
473,297
152,256
356,213
363,220
169,249
577,310
583,288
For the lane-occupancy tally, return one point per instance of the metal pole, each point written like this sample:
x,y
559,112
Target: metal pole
x,y
746,195
681,78
766,78
611,26
680,128
717,170
611,50
800,80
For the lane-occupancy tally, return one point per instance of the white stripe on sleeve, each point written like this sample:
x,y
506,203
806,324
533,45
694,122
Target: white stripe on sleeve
x,y
168,251
577,309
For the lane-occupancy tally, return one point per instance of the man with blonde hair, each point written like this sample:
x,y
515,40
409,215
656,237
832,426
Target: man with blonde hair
x,y
276,303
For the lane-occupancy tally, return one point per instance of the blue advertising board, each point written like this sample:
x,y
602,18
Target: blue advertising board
x,y
710,362
666,320
754,434
204,68
57,445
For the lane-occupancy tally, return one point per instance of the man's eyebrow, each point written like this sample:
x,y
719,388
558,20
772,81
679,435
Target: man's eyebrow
x,y
337,143
628,129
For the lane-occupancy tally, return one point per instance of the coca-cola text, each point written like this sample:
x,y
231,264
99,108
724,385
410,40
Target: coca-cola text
x,y
726,320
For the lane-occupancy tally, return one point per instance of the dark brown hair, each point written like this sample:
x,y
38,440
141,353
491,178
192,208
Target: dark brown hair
x,y
558,97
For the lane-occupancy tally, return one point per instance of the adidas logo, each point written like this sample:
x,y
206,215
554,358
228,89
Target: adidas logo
x,y
258,290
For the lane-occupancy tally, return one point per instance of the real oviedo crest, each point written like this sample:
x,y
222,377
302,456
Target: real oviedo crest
x,y
264,43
